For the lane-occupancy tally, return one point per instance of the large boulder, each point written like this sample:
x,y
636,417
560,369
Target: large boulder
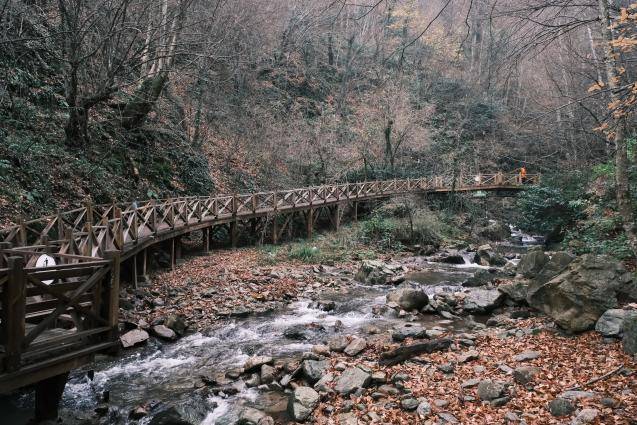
x,y
486,256
516,290
482,277
378,273
302,403
482,300
494,231
576,298
630,332
134,337
448,257
611,323
408,298
532,263
556,264
352,379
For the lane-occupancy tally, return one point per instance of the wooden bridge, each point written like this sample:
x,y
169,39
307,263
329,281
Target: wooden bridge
x,y
56,314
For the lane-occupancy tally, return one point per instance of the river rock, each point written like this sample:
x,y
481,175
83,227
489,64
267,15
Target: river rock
x,y
338,343
525,374
486,256
352,379
526,356
409,330
490,390
378,273
164,332
556,265
494,231
355,347
171,416
585,416
134,337
254,363
516,290
611,323
409,404
482,300
303,332
481,277
561,407
251,416
448,257
302,403
423,410
313,370
348,419
576,298
268,374
177,324
408,298
532,263
630,332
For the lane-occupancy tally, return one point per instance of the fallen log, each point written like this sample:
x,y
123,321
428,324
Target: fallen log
x,y
400,354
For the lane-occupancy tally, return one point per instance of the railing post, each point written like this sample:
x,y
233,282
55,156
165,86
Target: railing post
x,y
112,307
153,215
13,312
22,233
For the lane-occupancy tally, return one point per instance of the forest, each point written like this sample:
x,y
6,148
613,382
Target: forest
x,y
113,106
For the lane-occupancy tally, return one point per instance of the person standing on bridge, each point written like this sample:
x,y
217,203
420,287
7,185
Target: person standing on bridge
x,y
522,175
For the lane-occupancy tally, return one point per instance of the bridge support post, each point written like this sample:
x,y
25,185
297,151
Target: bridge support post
x,y
135,279
356,212
112,294
177,248
13,312
48,394
310,222
206,240
275,231
173,261
234,234
337,217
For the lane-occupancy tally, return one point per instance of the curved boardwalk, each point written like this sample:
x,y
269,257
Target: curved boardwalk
x,y
55,317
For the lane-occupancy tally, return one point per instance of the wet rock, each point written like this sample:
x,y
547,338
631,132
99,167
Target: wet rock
x,y
138,412
611,323
327,305
355,347
240,311
448,257
481,277
576,298
630,332
171,416
253,380
561,407
268,374
585,416
378,273
251,416
313,370
485,256
303,332
526,356
490,390
352,379
338,343
303,401
525,375
177,324
408,298
254,363
134,337
409,330
164,332
482,300
409,404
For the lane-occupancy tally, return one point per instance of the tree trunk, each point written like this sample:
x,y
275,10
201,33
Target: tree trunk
x,y
143,100
622,184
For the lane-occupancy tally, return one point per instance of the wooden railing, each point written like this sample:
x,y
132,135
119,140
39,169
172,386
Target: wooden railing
x,y
60,312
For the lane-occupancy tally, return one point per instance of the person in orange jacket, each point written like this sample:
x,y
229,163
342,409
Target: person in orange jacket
x,y
522,174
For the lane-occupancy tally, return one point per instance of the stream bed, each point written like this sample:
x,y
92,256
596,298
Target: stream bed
x,y
160,374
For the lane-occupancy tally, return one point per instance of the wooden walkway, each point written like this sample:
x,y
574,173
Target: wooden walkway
x,y
56,317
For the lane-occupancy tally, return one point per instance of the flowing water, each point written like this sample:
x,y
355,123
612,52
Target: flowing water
x,y
170,374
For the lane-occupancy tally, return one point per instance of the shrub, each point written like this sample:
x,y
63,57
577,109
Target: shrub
x,y
305,253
